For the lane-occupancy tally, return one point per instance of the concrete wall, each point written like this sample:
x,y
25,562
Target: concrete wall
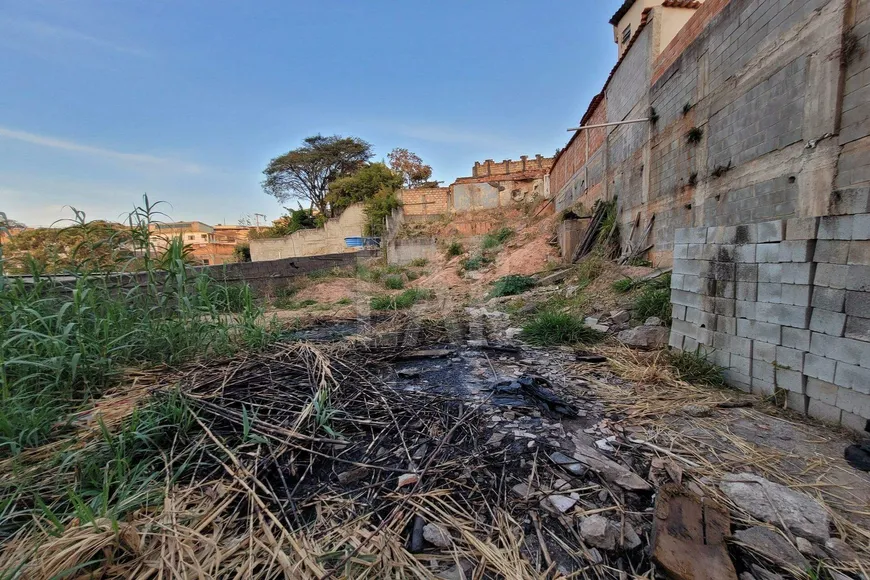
x,y
402,251
425,201
784,307
761,82
326,240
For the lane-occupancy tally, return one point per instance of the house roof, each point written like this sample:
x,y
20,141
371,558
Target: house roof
x,y
626,6
693,4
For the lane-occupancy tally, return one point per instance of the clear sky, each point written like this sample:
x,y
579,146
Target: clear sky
x,y
187,100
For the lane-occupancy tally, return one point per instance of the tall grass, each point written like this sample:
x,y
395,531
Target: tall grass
x,y
553,328
61,346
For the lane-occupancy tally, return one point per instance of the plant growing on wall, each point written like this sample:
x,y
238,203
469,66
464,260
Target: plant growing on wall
x,y
693,137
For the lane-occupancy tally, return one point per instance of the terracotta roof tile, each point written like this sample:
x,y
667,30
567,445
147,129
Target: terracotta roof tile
x,y
693,4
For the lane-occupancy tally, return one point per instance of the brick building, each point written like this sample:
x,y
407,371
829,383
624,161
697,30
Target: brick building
x,y
208,245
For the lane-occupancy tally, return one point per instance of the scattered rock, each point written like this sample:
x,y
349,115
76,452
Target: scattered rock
x,y
569,464
561,485
561,503
597,531
408,373
554,278
610,470
462,571
645,336
620,316
495,439
773,546
437,535
509,415
807,548
761,574
513,332
653,321
590,321
772,503
697,410
571,291
474,275
477,342
840,550
521,489
407,479
352,475
599,327
605,444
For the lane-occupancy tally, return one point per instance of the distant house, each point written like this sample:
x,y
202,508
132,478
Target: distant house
x,y
632,14
208,244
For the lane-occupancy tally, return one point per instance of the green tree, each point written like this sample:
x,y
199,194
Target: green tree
x,y
377,209
362,186
412,169
306,172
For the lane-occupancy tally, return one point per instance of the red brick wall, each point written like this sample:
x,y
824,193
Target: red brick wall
x,y
574,155
426,201
686,36
508,166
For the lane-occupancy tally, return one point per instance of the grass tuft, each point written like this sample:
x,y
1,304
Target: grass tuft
x,y
554,328
394,282
476,262
624,285
693,367
401,301
418,262
455,249
496,238
512,285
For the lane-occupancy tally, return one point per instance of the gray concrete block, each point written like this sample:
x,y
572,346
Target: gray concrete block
x,y
797,251
796,338
733,344
745,309
690,344
827,322
830,299
763,351
784,314
763,331
693,284
790,358
796,294
689,299
770,231
725,288
832,251
854,352
819,367
822,391
677,281
792,381
725,306
678,311
676,340
859,252
720,358
681,251
831,275
854,422
738,380
857,303
858,328
858,278
797,273
768,292
741,364
850,201
761,369
823,412
695,251
852,377
745,234
685,328
835,228
854,402
746,291
690,235
763,387
745,253
770,273
797,402
861,227
746,273
720,234
801,228
726,324
767,253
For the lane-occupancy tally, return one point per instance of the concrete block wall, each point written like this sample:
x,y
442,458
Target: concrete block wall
x,y
425,201
784,307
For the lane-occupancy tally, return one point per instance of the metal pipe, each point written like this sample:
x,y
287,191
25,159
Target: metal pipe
x,y
609,124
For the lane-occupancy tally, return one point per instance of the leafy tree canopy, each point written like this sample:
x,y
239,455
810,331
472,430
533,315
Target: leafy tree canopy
x,y
306,172
362,185
412,169
295,220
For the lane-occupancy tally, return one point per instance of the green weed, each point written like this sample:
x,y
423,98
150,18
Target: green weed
x,y
455,249
401,301
511,285
554,328
476,262
653,301
694,367
394,282
418,262
496,238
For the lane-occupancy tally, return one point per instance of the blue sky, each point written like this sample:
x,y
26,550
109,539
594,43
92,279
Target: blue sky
x,y
187,100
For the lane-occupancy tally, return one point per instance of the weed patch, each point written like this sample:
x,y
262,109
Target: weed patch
x,y
512,285
693,367
418,262
455,249
394,282
401,301
554,328
496,238
476,262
